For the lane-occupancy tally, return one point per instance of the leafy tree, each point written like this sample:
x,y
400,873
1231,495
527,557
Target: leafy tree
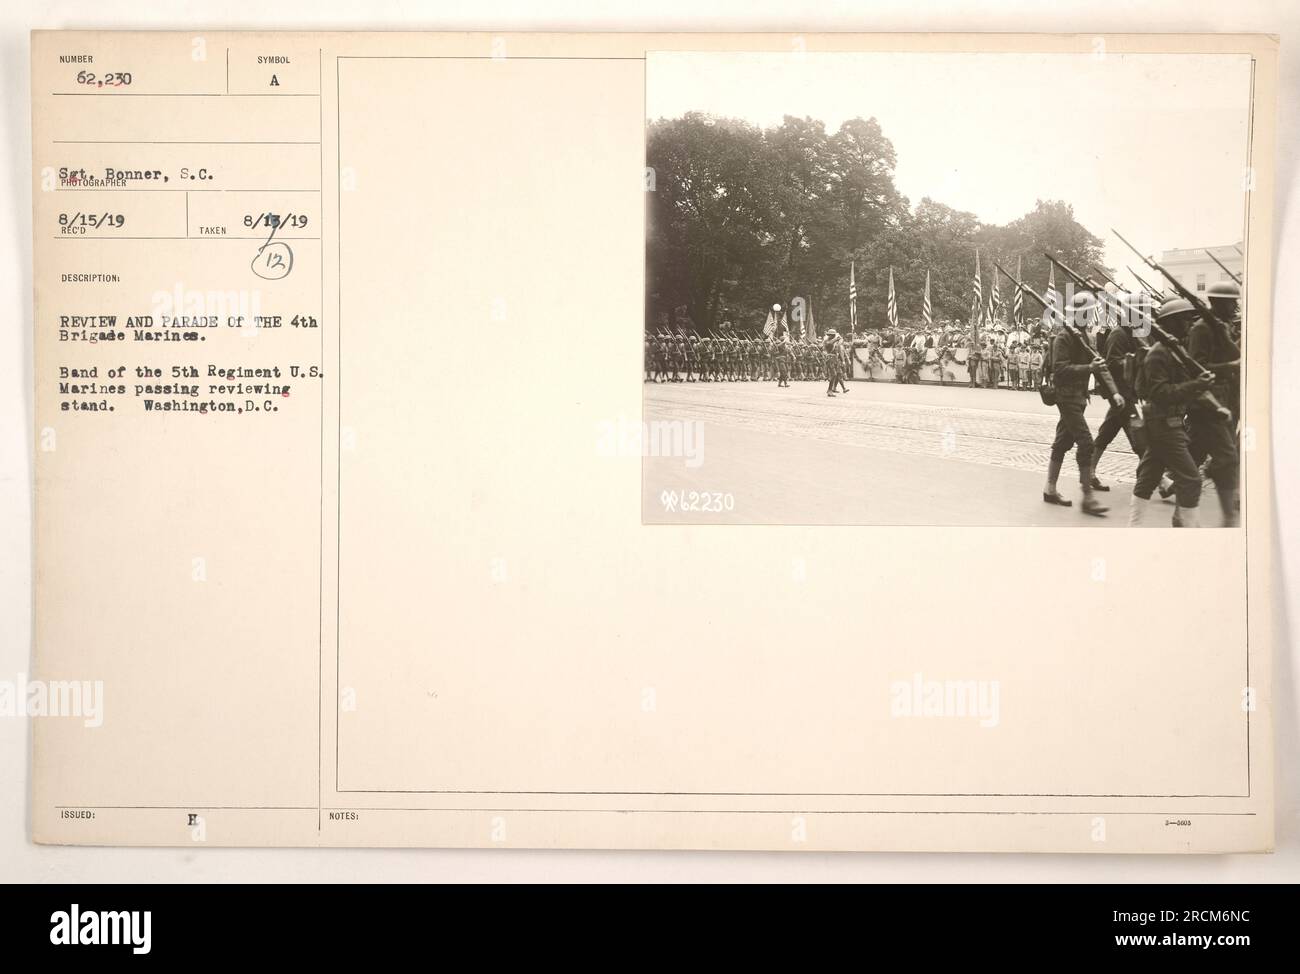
x,y
742,217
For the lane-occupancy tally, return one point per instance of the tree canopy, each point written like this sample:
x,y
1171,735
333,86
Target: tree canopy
x,y
742,217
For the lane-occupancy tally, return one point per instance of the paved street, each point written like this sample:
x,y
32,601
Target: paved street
x,y
883,453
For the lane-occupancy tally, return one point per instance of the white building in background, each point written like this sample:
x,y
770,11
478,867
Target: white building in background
x,y
1196,271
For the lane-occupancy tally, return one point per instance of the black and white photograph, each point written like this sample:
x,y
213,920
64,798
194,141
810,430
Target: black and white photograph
x,y
946,289
346,547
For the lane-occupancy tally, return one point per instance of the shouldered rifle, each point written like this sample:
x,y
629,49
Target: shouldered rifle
x,y
1107,278
1099,364
1086,283
1190,297
1210,254
1175,347
1155,293
1192,367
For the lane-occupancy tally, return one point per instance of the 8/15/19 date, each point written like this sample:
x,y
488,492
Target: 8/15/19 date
x,y
75,223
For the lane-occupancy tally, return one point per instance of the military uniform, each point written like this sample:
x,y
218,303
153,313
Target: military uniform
x,y
833,363
1072,364
1124,354
1212,434
660,360
1166,390
1169,394
995,364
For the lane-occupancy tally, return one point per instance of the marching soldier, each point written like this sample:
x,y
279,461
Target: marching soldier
x,y
1072,364
1124,352
1205,345
1213,434
834,362
1167,392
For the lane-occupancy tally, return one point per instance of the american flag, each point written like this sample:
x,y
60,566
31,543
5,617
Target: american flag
x,y
1105,309
1053,308
995,295
1018,299
926,313
853,300
977,290
891,304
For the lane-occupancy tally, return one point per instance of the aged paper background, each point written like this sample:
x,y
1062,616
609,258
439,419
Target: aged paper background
x,y
431,499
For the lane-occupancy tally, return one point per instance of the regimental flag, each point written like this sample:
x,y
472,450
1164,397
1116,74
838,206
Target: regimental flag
x,y
853,300
1018,299
812,325
891,302
927,314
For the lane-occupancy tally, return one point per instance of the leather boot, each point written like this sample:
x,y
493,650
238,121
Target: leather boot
x,y
1092,473
1091,505
1137,507
1231,509
1050,494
